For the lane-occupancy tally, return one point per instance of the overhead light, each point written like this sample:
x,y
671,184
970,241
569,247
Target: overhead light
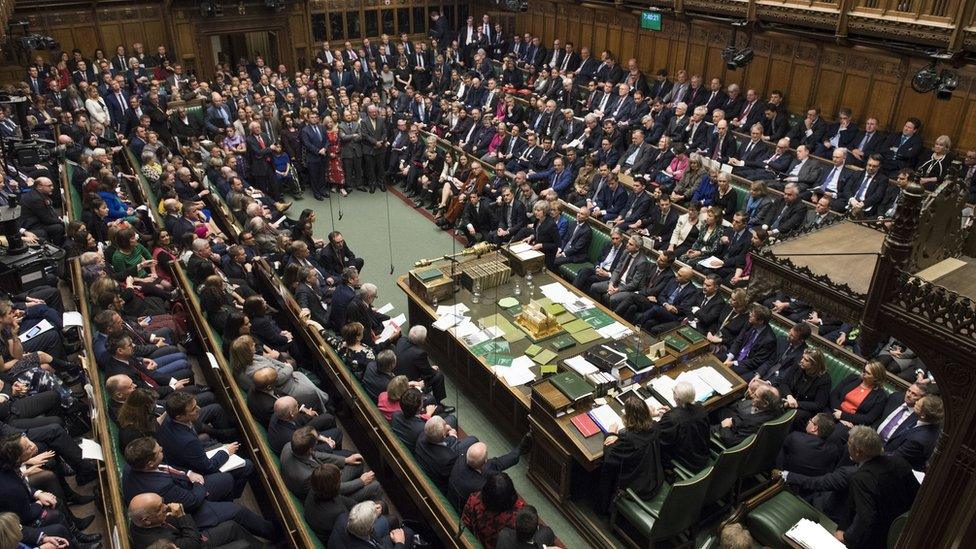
x,y
948,81
926,79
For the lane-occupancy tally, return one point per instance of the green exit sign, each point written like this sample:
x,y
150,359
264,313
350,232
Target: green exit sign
x,y
650,20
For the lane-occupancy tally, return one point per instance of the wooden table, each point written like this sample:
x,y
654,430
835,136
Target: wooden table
x,y
563,464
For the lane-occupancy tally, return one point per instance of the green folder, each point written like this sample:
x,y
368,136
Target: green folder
x,y
572,385
549,369
676,343
429,274
554,309
577,325
564,341
691,334
544,356
596,318
533,350
498,359
586,336
565,317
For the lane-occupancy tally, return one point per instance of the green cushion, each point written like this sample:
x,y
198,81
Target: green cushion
x,y
196,112
597,243
569,270
638,513
772,518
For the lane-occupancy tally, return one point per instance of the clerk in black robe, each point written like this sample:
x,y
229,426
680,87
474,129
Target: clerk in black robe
x,y
631,456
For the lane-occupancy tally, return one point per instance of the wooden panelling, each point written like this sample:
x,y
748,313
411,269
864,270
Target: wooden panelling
x,y
871,82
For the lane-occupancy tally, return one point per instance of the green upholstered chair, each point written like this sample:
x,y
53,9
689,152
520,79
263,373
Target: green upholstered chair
x,y
895,531
726,465
771,519
769,441
598,241
672,511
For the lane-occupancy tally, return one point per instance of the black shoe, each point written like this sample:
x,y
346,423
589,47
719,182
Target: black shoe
x,y
372,190
318,197
82,537
70,379
96,545
326,195
448,409
525,444
83,522
383,188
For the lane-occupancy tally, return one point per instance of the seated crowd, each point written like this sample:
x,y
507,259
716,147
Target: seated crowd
x,y
436,118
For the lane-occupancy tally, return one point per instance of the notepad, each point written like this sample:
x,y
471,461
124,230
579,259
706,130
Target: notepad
x,y
581,366
577,325
606,418
234,461
533,350
549,369
586,336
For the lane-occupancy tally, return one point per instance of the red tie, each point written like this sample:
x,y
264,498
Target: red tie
x,y
261,141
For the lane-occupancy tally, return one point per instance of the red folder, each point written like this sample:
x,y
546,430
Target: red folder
x,y
587,427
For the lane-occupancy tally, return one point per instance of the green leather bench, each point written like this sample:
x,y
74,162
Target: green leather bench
x,y
196,112
599,240
771,519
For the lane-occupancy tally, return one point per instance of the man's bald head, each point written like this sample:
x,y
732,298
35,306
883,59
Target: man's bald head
x,y
285,407
685,274
143,506
477,455
264,378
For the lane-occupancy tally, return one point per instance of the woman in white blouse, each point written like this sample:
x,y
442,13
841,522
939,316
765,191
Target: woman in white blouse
x,y
686,230
95,105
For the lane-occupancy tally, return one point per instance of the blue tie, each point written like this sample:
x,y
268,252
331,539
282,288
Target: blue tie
x,y
674,295
830,176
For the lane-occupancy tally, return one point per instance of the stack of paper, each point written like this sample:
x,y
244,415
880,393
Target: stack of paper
x,y
447,320
519,247
812,535
518,373
664,387
456,309
702,390
581,366
606,418
714,379
614,331
464,328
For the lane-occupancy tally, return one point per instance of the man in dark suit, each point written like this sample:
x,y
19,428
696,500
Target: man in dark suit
x,y
438,448
706,311
916,443
748,416
773,164
469,474
787,214
753,112
637,209
37,213
609,258
476,221
810,452
259,154
661,221
755,346
510,218
336,256
208,498
184,126
412,361
300,457
672,303
626,277
722,145
881,489
154,520
289,416
439,29
903,149
839,134
809,131
867,142
786,360
606,154
315,143
658,276
184,449
863,194
834,179
219,116
576,242
752,154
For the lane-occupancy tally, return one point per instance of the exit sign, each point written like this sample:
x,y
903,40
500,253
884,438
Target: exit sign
x,y
650,20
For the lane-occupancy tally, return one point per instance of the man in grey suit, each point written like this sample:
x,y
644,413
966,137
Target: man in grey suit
x,y
299,458
352,153
627,277
374,144
635,155
804,171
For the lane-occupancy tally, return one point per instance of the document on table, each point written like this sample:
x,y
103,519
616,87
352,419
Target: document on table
x,y
714,379
702,390
514,375
234,461
519,247
447,320
614,331
812,535
385,309
664,387
581,366
457,309
606,418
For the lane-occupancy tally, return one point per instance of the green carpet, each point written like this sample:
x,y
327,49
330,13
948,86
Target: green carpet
x,y
367,232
